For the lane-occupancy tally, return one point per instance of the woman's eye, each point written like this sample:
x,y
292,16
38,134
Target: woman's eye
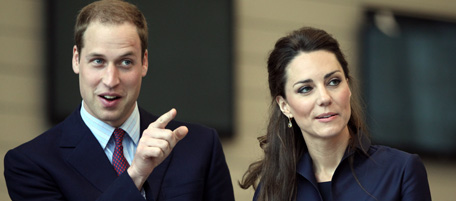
x,y
334,82
305,89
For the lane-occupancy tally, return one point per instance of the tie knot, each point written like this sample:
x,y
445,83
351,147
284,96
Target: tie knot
x,y
118,135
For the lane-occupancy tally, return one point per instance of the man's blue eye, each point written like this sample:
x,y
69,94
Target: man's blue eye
x,y
126,62
97,61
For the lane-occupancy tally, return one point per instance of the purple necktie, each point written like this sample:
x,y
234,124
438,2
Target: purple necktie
x,y
118,159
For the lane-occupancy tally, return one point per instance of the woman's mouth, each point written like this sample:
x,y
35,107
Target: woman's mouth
x,y
325,116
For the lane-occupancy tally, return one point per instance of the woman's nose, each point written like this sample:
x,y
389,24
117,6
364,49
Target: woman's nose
x,y
324,98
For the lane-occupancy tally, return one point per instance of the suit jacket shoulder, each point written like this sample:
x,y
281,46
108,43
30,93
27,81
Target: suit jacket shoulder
x,y
384,174
64,163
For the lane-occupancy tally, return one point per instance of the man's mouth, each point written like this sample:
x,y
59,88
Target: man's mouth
x,y
110,98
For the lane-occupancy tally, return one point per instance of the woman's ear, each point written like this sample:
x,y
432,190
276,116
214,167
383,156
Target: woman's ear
x,y
284,107
349,89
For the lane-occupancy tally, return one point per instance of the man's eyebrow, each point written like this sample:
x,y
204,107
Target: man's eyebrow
x,y
94,55
128,54
101,55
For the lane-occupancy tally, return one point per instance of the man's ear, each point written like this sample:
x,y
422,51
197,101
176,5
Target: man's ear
x,y
75,60
284,107
145,64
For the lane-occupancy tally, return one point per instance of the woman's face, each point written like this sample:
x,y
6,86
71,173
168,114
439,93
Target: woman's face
x,y
317,94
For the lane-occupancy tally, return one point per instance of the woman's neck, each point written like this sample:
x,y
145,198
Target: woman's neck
x,y
326,154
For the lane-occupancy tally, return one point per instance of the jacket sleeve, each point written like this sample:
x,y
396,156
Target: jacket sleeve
x,y
218,186
415,185
25,180
123,188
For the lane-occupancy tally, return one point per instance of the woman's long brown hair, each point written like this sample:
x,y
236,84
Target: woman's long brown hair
x,y
282,146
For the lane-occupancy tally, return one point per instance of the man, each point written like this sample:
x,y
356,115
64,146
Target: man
x,y
109,148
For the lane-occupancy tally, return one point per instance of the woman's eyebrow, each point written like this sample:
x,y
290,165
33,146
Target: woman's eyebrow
x,y
310,80
331,73
303,82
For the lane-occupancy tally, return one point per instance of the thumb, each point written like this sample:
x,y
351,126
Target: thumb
x,y
180,132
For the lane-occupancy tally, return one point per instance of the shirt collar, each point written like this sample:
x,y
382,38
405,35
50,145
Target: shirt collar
x,y
103,131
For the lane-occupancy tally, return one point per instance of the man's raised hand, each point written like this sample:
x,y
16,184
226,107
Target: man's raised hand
x,y
155,145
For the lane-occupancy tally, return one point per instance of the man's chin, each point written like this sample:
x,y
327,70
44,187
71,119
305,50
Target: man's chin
x,y
112,118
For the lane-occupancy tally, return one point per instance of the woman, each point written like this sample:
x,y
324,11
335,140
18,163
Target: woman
x,y
316,146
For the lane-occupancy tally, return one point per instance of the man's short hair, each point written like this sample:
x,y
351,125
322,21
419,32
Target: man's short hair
x,y
113,12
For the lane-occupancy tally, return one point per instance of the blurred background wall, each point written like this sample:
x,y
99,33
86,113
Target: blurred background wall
x,y
257,25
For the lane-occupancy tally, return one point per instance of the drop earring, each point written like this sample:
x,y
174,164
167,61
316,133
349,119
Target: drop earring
x,y
289,123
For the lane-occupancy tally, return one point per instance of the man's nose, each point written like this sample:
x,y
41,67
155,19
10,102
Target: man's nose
x,y
111,76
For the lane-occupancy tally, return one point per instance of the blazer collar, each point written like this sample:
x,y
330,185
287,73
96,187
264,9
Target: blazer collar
x,y
155,180
305,167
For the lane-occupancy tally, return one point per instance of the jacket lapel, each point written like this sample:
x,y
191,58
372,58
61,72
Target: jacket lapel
x,y
155,180
304,168
85,153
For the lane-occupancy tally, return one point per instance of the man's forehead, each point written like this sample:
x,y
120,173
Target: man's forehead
x,y
98,32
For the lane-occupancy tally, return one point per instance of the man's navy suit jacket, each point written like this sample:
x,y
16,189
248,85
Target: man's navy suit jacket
x,y
67,163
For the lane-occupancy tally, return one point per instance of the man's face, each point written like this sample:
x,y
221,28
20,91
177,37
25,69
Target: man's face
x,y
110,68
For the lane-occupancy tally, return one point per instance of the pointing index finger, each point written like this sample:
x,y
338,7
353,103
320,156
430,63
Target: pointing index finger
x,y
164,119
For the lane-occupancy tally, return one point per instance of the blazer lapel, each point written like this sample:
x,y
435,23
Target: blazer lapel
x,y
155,180
304,168
85,153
